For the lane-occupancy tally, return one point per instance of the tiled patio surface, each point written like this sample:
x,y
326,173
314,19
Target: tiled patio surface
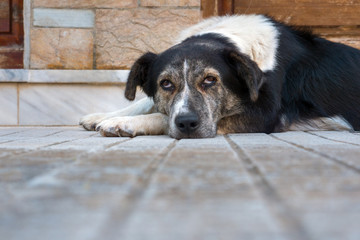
x,y
66,183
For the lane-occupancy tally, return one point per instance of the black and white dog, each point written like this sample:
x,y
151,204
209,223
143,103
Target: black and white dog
x,y
242,73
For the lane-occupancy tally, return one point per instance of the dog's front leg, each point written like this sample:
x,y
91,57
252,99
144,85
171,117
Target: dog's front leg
x,y
143,106
131,126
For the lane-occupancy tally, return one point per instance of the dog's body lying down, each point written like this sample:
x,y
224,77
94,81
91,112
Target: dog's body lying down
x,y
243,73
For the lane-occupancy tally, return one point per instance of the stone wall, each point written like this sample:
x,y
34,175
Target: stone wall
x,y
78,52
104,34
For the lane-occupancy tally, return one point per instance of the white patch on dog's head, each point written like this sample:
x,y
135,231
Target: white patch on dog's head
x,y
254,35
182,104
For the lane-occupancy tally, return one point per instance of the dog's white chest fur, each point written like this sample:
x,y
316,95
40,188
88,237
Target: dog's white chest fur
x,y
254,35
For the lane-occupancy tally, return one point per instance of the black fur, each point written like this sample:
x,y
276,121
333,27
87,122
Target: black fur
x,y
313,78
139,75
319,78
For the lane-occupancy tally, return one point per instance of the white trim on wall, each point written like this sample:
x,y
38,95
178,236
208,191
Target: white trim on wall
x,y
27,26
63,76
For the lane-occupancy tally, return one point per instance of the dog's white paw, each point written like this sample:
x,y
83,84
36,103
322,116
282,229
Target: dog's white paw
x,y
131,126
119,127
90,122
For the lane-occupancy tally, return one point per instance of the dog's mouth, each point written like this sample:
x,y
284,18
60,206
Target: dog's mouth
x,y
178,135
189,125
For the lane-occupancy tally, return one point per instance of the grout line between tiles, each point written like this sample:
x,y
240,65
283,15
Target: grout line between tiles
x,y
277,205
113,229
311,150
331,139
51,175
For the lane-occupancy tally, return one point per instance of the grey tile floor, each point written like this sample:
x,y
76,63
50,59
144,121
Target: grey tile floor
x,y
67,183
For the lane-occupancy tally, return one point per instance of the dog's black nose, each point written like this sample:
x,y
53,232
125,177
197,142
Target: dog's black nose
x,y
187,123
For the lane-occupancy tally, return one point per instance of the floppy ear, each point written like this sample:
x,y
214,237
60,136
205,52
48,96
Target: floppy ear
x,y
138,74
247,70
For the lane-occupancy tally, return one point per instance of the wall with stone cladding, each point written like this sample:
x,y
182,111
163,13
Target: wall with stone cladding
x,y
78,52
104,34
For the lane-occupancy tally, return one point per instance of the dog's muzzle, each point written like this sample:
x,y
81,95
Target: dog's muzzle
x,y
191,125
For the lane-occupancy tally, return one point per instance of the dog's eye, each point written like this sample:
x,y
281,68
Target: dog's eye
x,y
167,85
208,82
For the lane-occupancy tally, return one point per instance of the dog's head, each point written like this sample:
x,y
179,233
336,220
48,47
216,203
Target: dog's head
x,y
197,83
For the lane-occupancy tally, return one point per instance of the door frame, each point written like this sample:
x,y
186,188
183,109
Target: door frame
x,y
211,8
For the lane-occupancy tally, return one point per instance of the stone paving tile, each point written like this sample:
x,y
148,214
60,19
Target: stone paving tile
x,y
66,183
9,137
21,167
52,214
33,132
92,144
41,137
118,164
200,191
140,144
27,147
84,188
321,193
344,137
6,131
342,152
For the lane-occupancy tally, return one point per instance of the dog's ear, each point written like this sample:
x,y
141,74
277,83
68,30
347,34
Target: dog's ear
x,y
139,74
248,71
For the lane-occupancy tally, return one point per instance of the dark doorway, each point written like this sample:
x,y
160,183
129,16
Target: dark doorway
x,y
11,34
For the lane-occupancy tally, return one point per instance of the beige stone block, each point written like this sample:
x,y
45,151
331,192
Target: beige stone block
x,y
124,35
86,3
61,48
151,3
